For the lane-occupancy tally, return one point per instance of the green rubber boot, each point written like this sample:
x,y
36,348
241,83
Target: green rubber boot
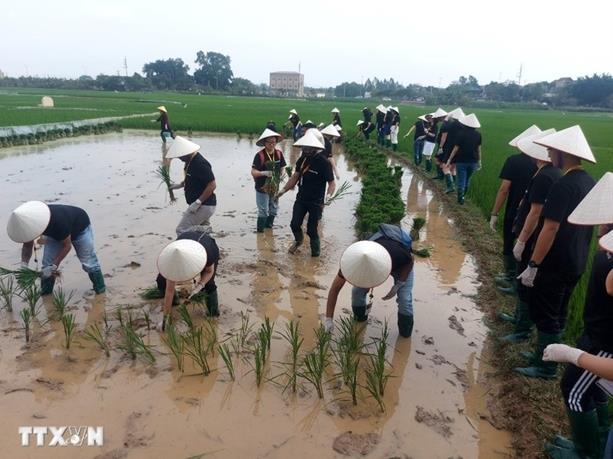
x,y
315,247
439,173
212,303
460,197
46,285
586,436
602,410
97,281
523,324
449,183
299,238
510,266
428,165
505,316
269,221
540,369
405,325
261,224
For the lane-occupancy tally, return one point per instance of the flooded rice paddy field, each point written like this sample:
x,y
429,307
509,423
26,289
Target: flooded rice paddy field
x,y
436,401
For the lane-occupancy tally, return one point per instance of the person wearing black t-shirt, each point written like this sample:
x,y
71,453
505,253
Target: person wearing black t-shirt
x,y
206,282
430,140
61,227
297,127
559,256
268,163
388,120
367,114
420,128
448,140
380,122
199,184
330,133
395,128
466,153
312,173
336,117
165,130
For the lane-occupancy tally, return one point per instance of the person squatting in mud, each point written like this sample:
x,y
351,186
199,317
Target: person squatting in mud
x,y
367,264
312,173
61,228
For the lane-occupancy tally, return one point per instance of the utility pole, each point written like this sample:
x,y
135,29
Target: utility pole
x,y
521,68
125,65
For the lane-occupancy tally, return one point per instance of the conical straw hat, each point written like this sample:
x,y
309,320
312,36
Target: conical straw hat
x,y
293,112
439,113
422,117
532,130
366,264
597,206
162,109
181,260
606,241
382,108
317,133
180,146
527,146
456,114
337,127
358,123
571,141
470,121
309,140
28,221
335,110
330,130
266,134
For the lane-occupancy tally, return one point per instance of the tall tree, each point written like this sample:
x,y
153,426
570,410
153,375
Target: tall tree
x,y
168,74
215,70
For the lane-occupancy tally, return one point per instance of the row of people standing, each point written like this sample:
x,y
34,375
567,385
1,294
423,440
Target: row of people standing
x,y
551,207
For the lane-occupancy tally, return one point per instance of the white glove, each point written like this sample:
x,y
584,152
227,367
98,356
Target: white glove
x,y
48,271
266,173
25,264
518,249
392,293
527,277
562,353
493,221
329,324
194,206
195,290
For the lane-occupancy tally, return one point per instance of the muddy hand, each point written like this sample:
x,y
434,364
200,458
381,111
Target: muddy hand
x,y
49,271
393,291
195,290
194,206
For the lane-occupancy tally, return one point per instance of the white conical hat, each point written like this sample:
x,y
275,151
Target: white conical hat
x,y
266,134
335,110
28,221
366,264
570,140
532,130
422,117
320,126
162,109
309,140
337,127
456,114
527,146
470,121
439,113
359,122
181,260
180,146
606,241
293,112
382,108
597,206
330,130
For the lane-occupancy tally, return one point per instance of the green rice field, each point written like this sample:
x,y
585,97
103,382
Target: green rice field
x,y
249,115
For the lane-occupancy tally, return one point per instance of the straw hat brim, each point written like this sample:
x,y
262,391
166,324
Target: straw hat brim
x,y
267,134
28,221
180,146
596,207
181,260
365,264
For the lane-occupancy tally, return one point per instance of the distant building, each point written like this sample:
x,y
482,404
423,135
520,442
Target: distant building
x,y
287,83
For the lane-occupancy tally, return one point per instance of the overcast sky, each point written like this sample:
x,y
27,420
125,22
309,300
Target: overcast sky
x,y
335,41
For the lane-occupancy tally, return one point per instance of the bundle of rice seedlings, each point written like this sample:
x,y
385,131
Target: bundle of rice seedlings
x,y
26,319
151,293
60,302
316,361
292,336
196,349
185,316
289,171
376,371
133,343
163,173
176,344
424,252
94,334
25,276
259,356
418,224
226,356
340,193
31,295
6,292
69,325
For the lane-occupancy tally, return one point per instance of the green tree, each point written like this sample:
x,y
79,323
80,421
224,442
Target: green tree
x,y
215,70
168,74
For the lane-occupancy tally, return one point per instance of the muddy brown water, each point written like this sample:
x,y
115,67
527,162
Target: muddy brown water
x,y
436,403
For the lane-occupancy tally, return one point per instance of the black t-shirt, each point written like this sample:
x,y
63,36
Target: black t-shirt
x,y
400,254
198,174
380,118
536,193
263,162
327,148
568,254
206,241
337,120
519,170
598,312
367,115
453,129
420,129
66,221
468,141
315,172
431,133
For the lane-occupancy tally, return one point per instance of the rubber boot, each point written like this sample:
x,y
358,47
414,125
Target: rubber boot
x,y
523,324
439,173
540,369
261,224
46,285
394,146
97,281
428,165
360,314
299,238
460,197
315,247
510,290
405,325
602,410
510,266
586,438
449,182
269,221
505,316
212,303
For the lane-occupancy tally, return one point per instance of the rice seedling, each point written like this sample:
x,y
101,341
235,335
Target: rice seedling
x,y
210,335
376,372
25,276
26,319
196,349
316,361
185,316
163,173
266,331
424,252
133,343
259,357
240,338
6,292
60,302
176,344
418,224
119,317
69,325
95,334
31,295
151,293
292,336
347,355
147,318
340,193
226,356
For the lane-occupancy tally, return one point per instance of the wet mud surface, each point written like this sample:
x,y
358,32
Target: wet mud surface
x,y
436,401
